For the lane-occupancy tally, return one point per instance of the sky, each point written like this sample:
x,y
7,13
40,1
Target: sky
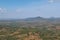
x,y
17,9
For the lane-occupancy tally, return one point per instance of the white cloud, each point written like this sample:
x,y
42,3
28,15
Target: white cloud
x,y
50,1
26,10
3,10
19,10
53,1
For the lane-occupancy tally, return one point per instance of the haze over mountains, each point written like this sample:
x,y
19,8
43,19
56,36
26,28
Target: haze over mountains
x,y
38,18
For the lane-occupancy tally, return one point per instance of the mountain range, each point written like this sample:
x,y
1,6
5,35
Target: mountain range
x,y
52,19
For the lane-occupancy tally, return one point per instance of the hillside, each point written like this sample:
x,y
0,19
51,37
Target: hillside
x,y
36,28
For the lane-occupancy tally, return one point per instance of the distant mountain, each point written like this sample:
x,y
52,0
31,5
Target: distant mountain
x,y
52,19
35,19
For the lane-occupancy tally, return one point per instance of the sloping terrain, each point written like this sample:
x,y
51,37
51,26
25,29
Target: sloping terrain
x,y
40,29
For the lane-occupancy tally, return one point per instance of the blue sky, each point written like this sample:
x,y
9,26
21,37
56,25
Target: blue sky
x,y
29,8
